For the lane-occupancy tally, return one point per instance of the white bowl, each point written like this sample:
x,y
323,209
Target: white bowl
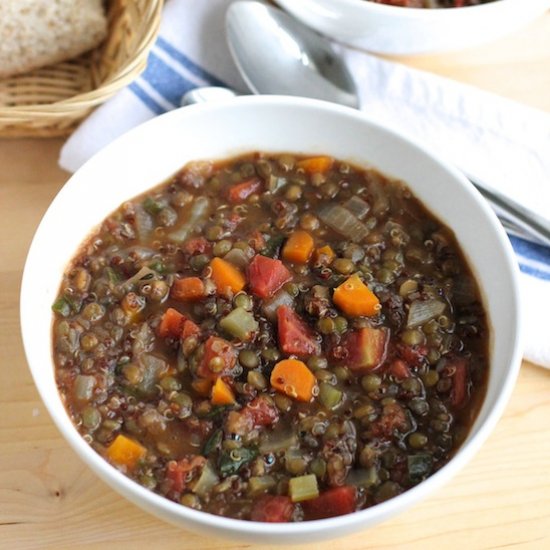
x,y
150,153
403,31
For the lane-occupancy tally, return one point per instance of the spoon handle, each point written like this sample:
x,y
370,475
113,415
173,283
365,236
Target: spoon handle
x,y
509,210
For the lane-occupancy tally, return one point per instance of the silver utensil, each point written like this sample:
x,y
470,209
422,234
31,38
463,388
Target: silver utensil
x,y
276,54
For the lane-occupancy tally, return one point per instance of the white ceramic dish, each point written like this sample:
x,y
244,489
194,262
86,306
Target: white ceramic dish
x,y
149,154
404,31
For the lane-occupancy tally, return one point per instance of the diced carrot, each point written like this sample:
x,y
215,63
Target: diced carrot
x,y
324,255
298,247
188,289
355,298
124,451
241,191
202,386
316,164
171,323
226,276
222,394
293,378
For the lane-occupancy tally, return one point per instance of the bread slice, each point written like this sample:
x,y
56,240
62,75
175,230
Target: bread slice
x,y
34,33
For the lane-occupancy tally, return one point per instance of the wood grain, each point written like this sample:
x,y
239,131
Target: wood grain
x,y
49,499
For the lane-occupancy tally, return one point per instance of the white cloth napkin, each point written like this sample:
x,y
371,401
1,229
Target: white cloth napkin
x,y
491,138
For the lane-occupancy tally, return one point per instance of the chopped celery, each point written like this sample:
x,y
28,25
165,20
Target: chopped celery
x,y
303,488
329,396
206,481
62,306
363,477
261,484
277,440
240,324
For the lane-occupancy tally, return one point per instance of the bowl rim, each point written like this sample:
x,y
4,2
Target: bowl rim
x,y
153,502
417,13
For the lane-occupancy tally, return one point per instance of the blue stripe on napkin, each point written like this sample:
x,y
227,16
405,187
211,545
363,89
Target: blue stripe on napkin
x,y
169,75
533,259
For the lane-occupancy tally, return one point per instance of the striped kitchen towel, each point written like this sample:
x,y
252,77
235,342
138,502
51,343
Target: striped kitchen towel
x,y
491,138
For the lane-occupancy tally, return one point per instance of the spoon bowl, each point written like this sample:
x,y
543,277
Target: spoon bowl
x,y
278,55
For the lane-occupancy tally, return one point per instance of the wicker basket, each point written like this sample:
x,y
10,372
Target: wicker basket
x,y
52,100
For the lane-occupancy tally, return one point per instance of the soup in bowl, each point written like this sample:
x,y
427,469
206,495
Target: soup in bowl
x,y
299,333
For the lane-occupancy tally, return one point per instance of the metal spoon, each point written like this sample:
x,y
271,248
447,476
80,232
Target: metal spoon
x,y
276,54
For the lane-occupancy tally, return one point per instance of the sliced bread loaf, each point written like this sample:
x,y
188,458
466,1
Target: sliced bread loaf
x,y
34,33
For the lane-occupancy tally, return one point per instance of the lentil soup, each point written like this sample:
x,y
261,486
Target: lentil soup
x,y
272,338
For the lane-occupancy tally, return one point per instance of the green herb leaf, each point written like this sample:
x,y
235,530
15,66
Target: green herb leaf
x,y
213,443
273,245
232,461
152,206
419,465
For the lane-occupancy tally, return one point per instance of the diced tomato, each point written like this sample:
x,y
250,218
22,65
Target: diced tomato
x,y
178,473
171,323
400,369
460,381
413,355
266,275
272,509
241,191
189,329
257,241
196,245
262,411
331,503
259,412
217,347
393,418
295,337
366,348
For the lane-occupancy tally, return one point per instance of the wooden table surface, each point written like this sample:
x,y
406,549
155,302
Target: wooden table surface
x,y
49,499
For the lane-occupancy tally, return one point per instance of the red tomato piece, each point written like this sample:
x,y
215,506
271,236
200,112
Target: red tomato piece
x,y
178,473
217,347
257,241
400,369
272,509
196,245
262,411
295,337
413,355
189,329
460,382
393,418
331,503
266,275
366,348
259,412
241,191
